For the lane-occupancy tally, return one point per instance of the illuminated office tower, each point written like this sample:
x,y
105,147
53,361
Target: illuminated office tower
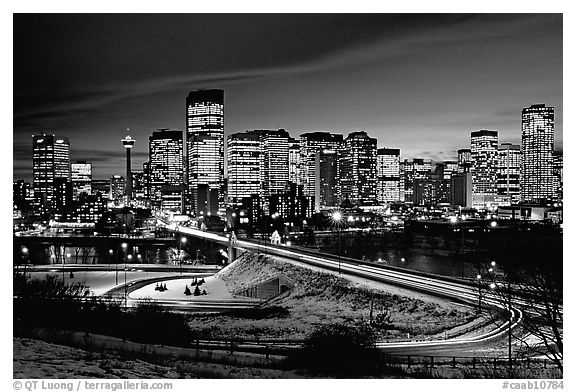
x,y
484,151
128,143
357,169
138,184
165,164
326,181
447,169
464,160
537,149
508,174
50,160
388,175
310,144
274,157
558,173
205,147
63,199
294,161
146,178
22,196
81,177
117,187
244,164
411,170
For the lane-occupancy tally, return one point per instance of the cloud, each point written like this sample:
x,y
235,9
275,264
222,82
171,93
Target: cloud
x,y
90,98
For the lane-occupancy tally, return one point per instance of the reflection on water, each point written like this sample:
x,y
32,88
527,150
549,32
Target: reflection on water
x,y
45,255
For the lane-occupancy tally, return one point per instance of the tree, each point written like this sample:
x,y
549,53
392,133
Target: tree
x,y
187,291
534,287
196,291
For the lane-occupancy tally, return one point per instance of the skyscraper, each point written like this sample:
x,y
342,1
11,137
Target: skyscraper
x,y
357,169
81,177
51,160
326,181
484,152
22,196
165,167
447,169
411,170
244,164
205,144
294,161
464,160
117,187
388,175
274,156
537,149
558,173
508,174
310,144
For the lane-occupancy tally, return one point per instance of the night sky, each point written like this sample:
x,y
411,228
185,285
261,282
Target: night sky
x,y
420,83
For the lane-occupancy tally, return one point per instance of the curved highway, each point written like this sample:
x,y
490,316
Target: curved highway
x,y
447,288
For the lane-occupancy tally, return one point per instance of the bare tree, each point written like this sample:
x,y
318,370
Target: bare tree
x,y
537,293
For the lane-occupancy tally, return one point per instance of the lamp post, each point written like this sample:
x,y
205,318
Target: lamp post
x,y
182,241
123,246
24,254
111,253
337,218
125,287
479,278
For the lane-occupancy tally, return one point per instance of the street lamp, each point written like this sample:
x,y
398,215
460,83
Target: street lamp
x,y
24,254
337,218
182,241
125,287
110,252
123,246
479,278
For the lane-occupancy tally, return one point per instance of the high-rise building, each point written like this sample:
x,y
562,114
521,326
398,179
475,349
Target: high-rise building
x,y
508,174
326,181
146,178
484,151
128,143
165,164
388,175
291,205
90,208
411,170
138,184
461,189
558,173
464,160
81,177
310,144
431,191
205,144
274,157
51,160
537,149
244,166
447,169
294,161
117,187
357,169
22,196
63,198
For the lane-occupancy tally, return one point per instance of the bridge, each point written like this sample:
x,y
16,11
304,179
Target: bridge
x,y
88,240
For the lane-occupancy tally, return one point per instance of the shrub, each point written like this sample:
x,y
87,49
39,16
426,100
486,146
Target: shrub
x,y
339,350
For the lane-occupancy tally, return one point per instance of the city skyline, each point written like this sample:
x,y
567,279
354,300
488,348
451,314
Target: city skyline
x,y
296,92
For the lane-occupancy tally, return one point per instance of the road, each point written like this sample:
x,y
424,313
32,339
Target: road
x,y
452,289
